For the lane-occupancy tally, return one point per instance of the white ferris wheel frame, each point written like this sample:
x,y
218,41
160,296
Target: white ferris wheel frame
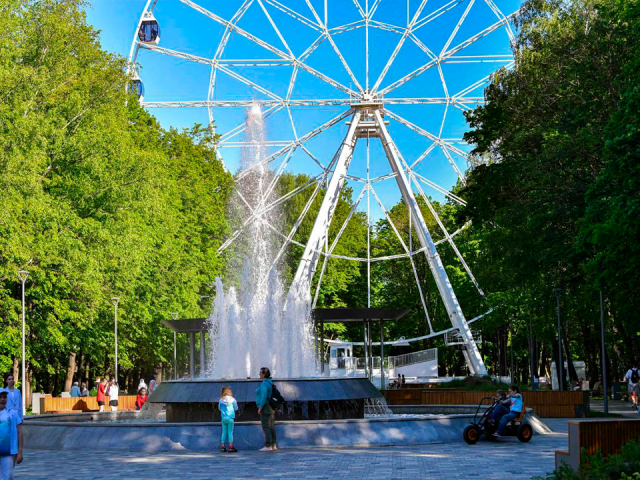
x,y
365,106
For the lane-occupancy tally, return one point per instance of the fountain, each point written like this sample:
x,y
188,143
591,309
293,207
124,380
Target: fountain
x,y
257,325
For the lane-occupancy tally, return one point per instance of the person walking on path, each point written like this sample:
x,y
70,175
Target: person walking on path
x,y
112,393
228,408
10,437
267,414
75,390
102,389
14,396
633,381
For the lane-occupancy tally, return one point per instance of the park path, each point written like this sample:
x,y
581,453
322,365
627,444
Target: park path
x,y
506,459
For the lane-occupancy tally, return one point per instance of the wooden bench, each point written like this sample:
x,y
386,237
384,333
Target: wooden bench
x,y
608,436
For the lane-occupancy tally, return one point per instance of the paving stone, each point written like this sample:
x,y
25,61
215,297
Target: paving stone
x,y
506,458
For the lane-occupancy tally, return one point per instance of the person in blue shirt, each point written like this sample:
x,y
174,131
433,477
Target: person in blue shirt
x,y
515,409
75,390
267,414
10,437
228,408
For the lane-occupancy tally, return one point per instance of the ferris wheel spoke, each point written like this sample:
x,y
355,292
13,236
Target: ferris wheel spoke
x,y
409,255
275,28
347,27
500,15
423,156
267,46
386,26
449,53
313,157
374,7
292,13
457,27
440,189
238,129
359,7
305,138
248,82
436,13
335,242
333,44
405,35
448,237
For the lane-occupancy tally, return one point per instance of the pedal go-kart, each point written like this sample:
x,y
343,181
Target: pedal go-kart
x,y
484,425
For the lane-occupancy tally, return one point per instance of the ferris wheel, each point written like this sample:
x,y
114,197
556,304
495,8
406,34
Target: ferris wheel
x,y
335,78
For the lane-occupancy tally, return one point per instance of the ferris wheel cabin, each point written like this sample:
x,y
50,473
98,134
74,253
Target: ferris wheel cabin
x,y
149,31
137,88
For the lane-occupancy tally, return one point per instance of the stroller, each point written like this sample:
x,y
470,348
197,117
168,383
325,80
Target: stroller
x,y
484,425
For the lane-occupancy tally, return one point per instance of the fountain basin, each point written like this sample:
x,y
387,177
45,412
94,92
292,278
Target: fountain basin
x,y
189,401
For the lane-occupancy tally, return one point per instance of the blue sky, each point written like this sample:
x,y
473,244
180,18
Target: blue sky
x,y
184,29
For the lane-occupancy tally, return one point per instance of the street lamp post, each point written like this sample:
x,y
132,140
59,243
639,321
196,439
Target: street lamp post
x,y
174,316
604,357
115,301
560,366
23,274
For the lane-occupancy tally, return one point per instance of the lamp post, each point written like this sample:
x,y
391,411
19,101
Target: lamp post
x,y
560,366
115,301
174,316
23,274
604,357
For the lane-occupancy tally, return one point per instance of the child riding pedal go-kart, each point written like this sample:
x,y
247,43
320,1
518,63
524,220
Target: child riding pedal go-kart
x,y
488,423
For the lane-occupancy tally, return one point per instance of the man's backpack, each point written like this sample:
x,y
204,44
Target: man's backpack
x,y
635,376
276,399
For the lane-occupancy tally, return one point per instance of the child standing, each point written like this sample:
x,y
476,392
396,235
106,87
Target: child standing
x,y
228,407
10,437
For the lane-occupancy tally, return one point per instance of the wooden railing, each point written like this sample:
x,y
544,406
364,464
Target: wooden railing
x,y
83,404
608,436
544,404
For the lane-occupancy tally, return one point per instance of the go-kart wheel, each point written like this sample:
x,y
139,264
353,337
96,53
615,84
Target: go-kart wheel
x,y
525,432
471,434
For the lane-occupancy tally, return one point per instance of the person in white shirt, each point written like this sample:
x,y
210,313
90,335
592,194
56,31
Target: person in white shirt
x,y
14,397
142,384
112,393
153,384
633,382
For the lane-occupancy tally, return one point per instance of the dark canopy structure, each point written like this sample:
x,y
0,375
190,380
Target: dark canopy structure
x,y
366,316
190,326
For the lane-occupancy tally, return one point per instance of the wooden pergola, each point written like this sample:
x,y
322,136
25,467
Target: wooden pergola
x,y
366,316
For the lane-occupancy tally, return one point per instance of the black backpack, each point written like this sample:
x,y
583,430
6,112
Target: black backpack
x,y
635,376
276,399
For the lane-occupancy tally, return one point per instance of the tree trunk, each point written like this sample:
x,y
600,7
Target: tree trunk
x,y
71,370
80,366
28,387
16,369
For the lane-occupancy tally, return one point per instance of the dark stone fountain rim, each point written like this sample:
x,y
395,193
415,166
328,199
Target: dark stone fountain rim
x,y
292,389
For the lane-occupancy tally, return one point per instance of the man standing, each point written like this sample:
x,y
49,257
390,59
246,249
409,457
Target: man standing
x,y
10,437
633,381
14,396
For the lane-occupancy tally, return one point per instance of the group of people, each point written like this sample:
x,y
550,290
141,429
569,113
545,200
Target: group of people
x,y
109,388
228,406
11,417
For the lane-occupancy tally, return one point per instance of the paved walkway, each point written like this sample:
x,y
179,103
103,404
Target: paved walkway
x,y
507,458
618,407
